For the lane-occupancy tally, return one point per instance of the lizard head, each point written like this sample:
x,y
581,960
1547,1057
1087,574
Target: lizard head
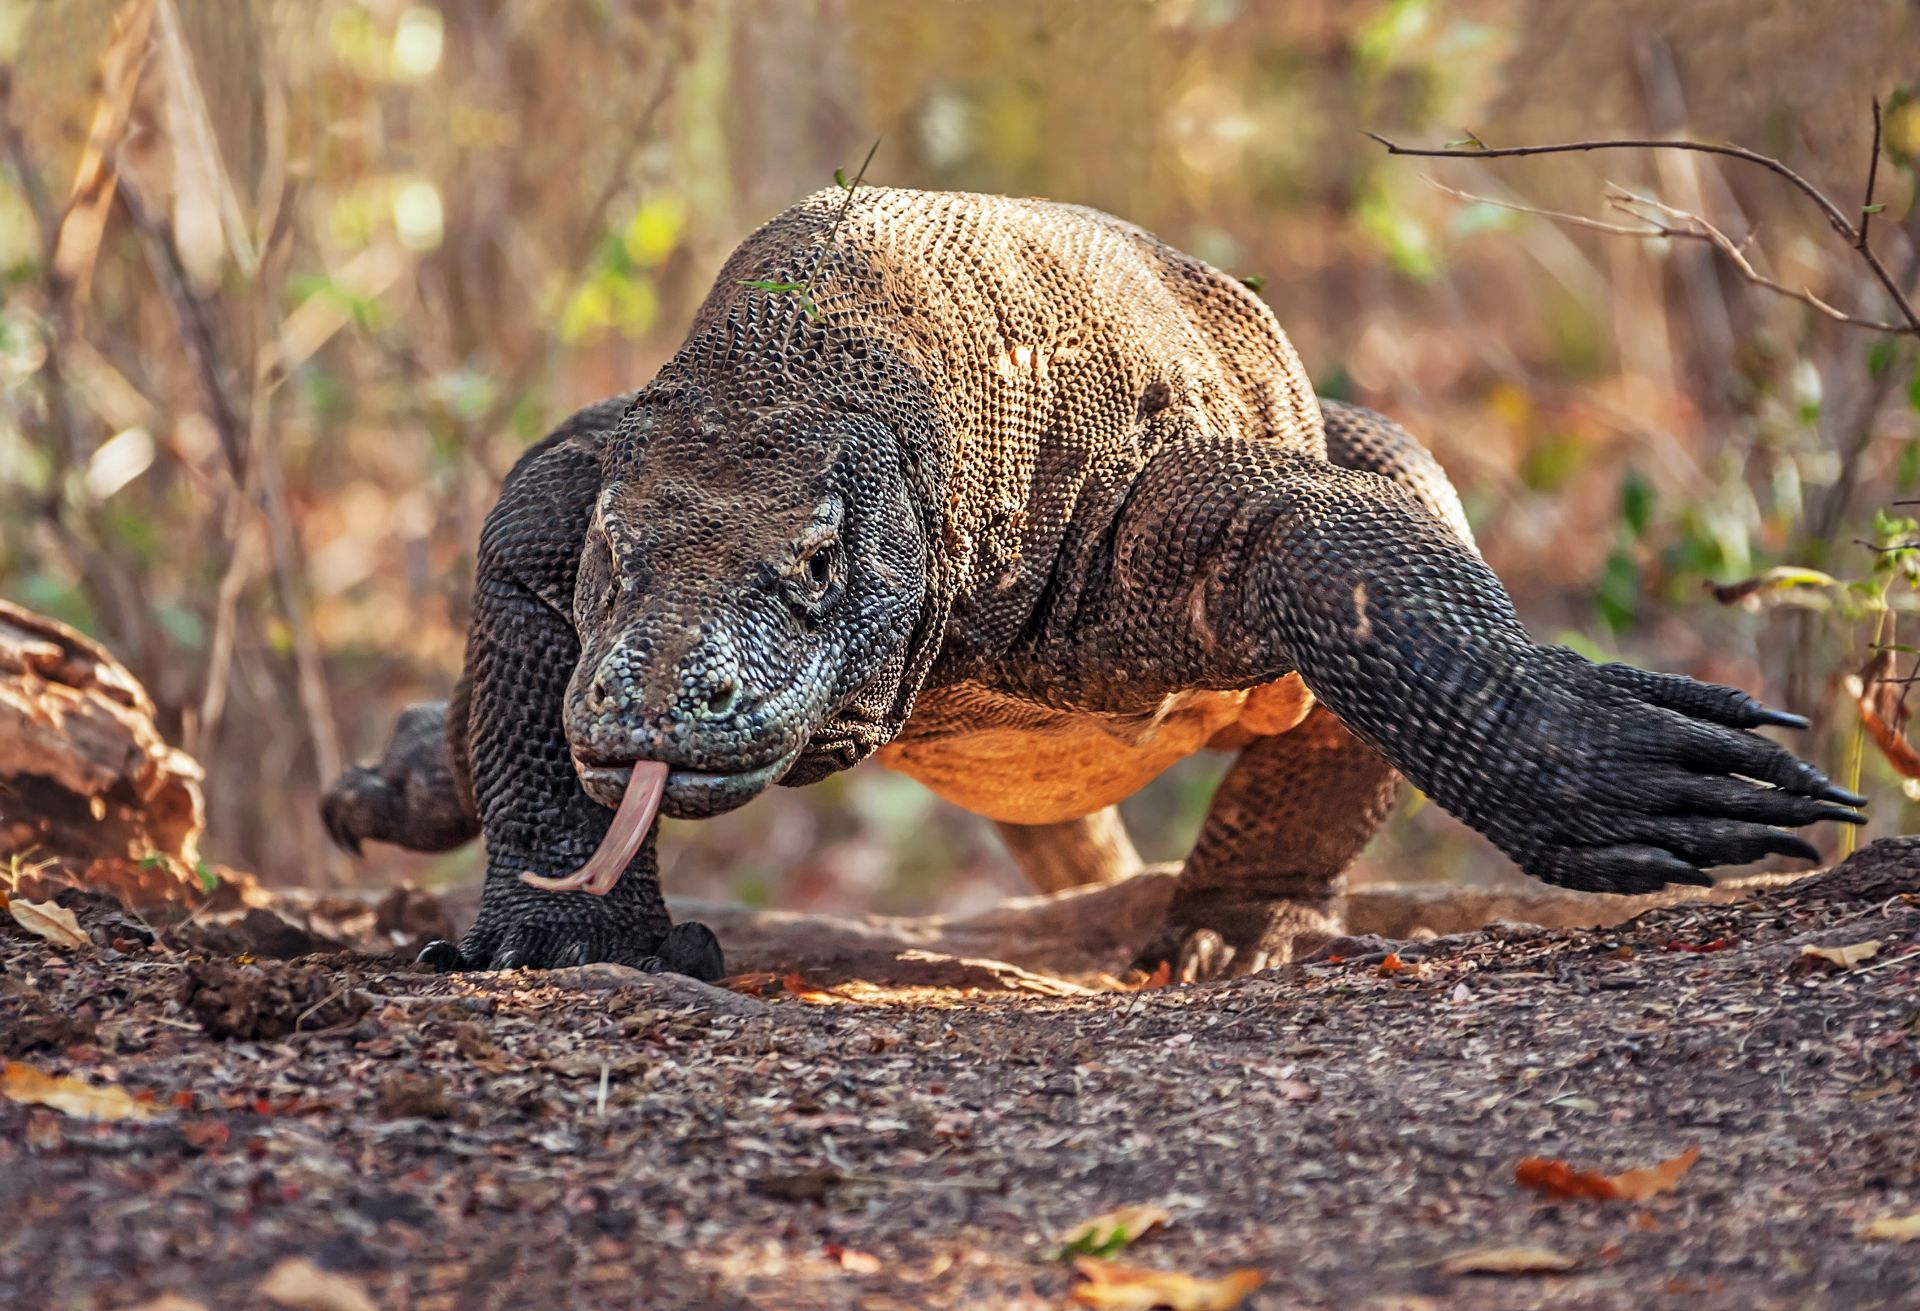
x,y
747,592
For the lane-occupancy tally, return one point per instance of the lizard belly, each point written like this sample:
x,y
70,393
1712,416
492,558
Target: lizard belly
x,y
1010,760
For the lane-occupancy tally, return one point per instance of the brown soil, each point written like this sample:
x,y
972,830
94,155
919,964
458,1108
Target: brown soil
x,y
597,1138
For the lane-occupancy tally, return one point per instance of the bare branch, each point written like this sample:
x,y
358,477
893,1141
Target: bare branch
x,y
1695,228
1855,236
1867,206
1558,216
1702,230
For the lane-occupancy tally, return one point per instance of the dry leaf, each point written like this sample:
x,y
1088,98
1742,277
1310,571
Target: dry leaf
x,y
1508,1261
23,1083
796,984
1894,1228
54,923
95,180
1639,1185
298,1283
1114,1287
1559,1180
1845,957
1113,1230
1881,699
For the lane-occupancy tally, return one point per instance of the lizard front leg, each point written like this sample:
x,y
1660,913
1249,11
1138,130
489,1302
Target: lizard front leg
x,y
1239,561
521,652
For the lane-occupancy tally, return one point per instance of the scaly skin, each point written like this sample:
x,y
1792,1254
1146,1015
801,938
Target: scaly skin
x,y
1034,476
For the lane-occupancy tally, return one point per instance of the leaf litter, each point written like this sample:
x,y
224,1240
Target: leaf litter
x,y
1337,1134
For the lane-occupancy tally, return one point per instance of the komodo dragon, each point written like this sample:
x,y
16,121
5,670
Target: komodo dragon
x,y
1032,506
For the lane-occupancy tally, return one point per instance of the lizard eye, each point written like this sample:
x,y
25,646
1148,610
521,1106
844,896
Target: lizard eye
x,y
813,579
820,569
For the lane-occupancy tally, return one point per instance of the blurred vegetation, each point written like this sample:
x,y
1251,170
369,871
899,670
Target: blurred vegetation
x,y
410,236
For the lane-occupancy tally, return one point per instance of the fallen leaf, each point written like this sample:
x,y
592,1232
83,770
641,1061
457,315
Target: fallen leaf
x,y
1107,1233
754,984
1559,1180
54,923
298,1283
796,984
1845,957
1894,1228
853,1262
1115,1287
1508,1261
1639,1185
1393,964
23,1083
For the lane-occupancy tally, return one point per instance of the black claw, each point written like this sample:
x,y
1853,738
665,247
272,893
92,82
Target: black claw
x,y
1834,792
441,955
1779,718
1789,845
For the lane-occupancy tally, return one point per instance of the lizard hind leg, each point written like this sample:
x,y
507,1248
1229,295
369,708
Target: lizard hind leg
x,y
1264,883
1072,853
414,797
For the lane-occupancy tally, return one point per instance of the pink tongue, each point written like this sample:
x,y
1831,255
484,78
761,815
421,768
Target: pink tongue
x,y
624,836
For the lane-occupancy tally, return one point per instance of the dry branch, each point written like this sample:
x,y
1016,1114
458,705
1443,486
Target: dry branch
x,y
1854,235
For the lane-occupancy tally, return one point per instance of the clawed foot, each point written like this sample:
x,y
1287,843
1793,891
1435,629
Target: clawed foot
x,y
1212,937
1614,779
689,948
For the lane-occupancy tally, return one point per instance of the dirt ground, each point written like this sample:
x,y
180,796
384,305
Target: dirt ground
x,y
1343,1128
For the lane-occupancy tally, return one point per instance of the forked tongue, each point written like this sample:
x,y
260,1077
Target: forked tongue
x,y
624,836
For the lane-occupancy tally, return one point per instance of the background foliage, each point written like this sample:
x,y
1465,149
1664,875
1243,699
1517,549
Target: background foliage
x,y
415,235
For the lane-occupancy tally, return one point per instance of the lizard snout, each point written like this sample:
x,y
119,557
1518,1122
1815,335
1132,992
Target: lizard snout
x,y
704,712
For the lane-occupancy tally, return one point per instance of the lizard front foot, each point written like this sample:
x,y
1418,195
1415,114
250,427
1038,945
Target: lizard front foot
x,y
522,928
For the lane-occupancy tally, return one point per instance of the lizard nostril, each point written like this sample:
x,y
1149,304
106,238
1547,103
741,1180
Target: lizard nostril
x,y
597,699
724,696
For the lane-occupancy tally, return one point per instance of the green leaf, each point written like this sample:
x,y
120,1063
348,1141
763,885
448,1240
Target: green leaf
x,y
1787,575
1467,141
1636,503
1086,1245
208,880
1880,357
1872,209
1617,597
1254,282
763,284
1913,387
840,179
